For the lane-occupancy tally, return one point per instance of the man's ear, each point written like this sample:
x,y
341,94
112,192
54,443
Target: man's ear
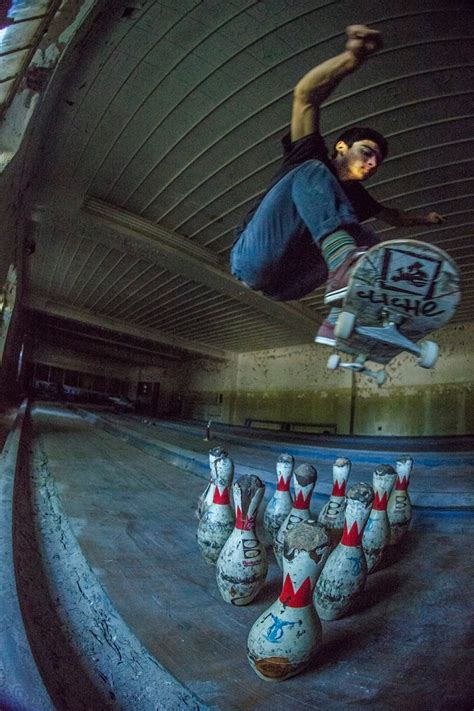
x,y
341,147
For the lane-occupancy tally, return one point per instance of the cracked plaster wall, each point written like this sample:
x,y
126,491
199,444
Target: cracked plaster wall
x,y
208,389
293,385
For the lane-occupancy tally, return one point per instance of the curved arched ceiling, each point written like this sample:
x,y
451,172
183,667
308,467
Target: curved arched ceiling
x,y
168,128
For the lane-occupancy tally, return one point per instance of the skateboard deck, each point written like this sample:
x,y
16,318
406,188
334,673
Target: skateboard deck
x,y
399,292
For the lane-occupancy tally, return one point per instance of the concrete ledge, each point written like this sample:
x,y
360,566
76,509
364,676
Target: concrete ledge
x,y
453,450
21,686
87,655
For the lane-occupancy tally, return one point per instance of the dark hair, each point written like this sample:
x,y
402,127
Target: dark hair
x,y
358,133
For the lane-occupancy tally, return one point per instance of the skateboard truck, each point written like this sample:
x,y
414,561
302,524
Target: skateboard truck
x,y
358,366
427,351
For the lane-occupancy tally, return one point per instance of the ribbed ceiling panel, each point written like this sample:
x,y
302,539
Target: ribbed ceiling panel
x,y
174,114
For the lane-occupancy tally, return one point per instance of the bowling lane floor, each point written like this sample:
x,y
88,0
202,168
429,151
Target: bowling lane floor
x,y
407,645
443,475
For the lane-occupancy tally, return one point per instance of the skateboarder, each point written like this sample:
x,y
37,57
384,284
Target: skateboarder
x,y
306,229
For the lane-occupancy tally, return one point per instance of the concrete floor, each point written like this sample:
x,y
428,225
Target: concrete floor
x,y
408,644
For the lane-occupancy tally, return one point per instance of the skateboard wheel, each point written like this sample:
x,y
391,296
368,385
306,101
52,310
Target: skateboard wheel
x,y
333,361
344,325
380,377
428,354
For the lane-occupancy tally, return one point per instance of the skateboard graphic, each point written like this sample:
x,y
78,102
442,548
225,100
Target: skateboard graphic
x,y
398,292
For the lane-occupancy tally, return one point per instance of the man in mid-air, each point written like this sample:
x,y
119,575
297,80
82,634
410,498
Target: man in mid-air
x,y
306,229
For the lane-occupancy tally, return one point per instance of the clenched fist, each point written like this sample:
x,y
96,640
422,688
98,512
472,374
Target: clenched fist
x,y
362,41
433,218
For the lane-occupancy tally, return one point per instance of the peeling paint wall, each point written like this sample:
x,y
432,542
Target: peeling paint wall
x,y
418,401
208,389
20,131
294,385
168,401
67,22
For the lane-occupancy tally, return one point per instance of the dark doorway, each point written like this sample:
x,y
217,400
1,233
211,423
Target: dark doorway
x,y
147,398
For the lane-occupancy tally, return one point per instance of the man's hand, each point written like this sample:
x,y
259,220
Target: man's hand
x,y
362,41
400,218
433,218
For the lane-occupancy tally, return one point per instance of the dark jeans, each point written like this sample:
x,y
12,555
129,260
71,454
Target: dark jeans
x,y
279,253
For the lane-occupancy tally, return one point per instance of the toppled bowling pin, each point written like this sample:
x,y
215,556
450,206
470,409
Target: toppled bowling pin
x,y
304,481
242,565
217,521
332,513
345,572
377,531
208,494
399,504
281,502
285,637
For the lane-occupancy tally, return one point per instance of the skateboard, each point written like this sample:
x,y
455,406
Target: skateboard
x,y
398,292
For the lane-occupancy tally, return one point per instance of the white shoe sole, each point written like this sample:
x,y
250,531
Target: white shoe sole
x,y
325,341
335,295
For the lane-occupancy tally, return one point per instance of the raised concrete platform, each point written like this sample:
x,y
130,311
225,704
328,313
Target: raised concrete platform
x,y
406,645
63,643
21,685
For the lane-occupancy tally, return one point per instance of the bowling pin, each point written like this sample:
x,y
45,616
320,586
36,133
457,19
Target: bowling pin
x,y
399,504
208,494
283,639
304,481
242,565
345,572
377,531
281,502
332,513
217,521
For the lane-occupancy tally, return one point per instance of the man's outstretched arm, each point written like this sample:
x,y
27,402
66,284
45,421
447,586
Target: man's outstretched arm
x,y
319,82
400,218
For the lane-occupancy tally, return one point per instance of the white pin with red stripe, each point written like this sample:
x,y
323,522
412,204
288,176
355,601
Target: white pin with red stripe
x,y
242,565
285,637
217,522
399,504
345,572
332,513
304,481
208,494
377,531
281,502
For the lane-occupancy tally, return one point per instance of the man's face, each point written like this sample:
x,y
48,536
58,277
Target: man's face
x,y
359,161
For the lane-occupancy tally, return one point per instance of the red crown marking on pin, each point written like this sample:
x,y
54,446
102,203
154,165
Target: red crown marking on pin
x,y
282,484
380,504
219,498
300,502
352,537
245,524
299,598
401,483
339,490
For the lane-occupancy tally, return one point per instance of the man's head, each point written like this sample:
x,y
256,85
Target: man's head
x,y
358,153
